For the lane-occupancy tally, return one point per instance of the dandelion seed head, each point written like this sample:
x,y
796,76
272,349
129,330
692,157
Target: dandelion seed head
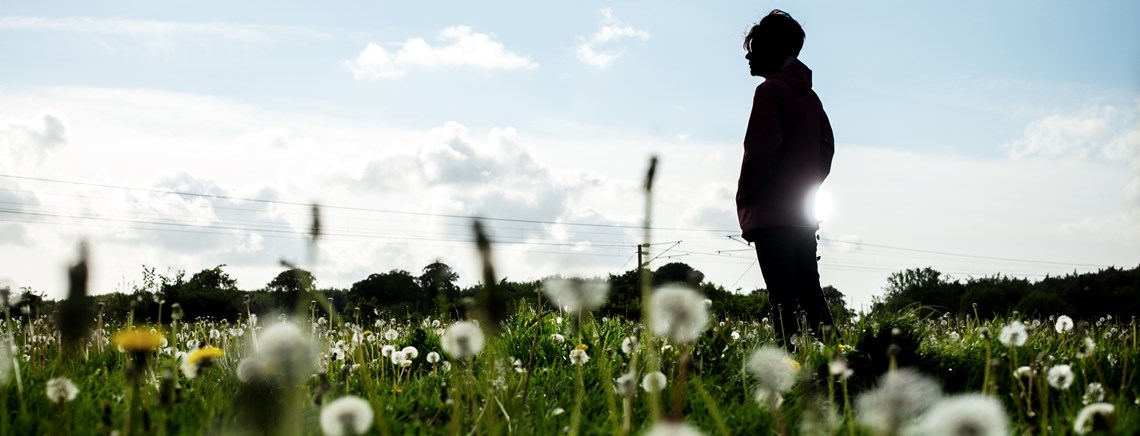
x,y
773,368
1086,418
462,340
1093,394
1064,324
1013,334
347,415
653,382
1060,376
1087,348
579,357
387,350
576,294
900,397
288,350
666,428
629,345
677,312
557,338
432,357
411,352
970,414
626,385
61,389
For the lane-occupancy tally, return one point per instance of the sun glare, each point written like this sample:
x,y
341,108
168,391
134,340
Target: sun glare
x,y
822,206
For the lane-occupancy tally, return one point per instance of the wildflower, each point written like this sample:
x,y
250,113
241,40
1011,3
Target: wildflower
x,y
1087,348
252,369
653,382
432,357
61,389
900,397
198,359
1060,376
399,357
1064,324
288,351
677,313
970,414
411,352
391,335
557,338
445,366
1093,394
576,294
137,340
463,340
838,368
774,368
1025,372
1013,335
1087,417
629,345
557,411
579,357
626,384
735,335
346,415
666,428
387,350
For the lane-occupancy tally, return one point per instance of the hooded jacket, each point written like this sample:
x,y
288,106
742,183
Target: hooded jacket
x,y
787,153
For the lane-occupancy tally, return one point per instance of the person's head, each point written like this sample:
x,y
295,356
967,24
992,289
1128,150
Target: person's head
x,y
772,41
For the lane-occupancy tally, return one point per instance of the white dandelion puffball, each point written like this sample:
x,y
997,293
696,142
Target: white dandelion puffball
x,y
678,313
1060,376
557,338
391,335
462,340
578,356
773,368
653,382
1025,372
666,428
1064,324
398,358
411,352
288,350
61,389
347,415
900,397
1093,394
1087,348
626,385
1013,334
972,414
629,345
387,350
252,368
432,357
1084,422
576,294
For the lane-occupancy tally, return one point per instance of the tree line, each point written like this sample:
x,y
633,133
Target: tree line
x,y
434,292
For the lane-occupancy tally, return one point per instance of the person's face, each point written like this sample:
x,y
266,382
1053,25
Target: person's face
x,y
761,62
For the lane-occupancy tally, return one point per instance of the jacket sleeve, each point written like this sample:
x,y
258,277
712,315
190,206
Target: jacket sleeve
x,y
826,148
762,143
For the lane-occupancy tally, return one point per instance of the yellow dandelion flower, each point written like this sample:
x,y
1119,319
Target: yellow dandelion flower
x,y
205,353
583,347
794,364
367,332
135,340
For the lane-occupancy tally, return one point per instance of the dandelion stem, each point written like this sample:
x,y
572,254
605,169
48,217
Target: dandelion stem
x,y
576,417
679,386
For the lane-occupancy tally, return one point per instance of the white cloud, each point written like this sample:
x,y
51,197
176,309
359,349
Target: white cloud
x,y
601,48
255,33
26,140
462,47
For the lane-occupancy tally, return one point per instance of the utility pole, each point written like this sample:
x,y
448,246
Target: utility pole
x,y
640,264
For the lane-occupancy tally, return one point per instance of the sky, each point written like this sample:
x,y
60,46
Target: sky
x,y
977,138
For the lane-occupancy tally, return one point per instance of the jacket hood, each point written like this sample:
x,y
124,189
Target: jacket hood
x,y
796,74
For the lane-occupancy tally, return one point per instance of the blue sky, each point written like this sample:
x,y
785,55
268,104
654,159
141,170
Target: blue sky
x,y
1013,113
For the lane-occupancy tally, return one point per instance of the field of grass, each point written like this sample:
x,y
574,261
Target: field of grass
x,y
900,374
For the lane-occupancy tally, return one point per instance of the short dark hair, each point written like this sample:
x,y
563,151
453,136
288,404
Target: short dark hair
x,y
779,31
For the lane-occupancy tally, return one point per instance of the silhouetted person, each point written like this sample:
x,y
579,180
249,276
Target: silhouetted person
x,y
787,154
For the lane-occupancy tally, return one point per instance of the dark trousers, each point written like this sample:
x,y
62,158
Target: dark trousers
x,y
787,259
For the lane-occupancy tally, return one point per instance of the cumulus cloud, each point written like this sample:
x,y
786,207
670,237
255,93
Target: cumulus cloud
x,y
601,48
1108,133
461,47
274,138
29,139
